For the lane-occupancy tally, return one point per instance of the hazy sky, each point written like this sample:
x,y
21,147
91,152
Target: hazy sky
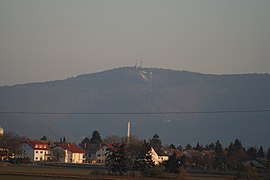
x,y
54,39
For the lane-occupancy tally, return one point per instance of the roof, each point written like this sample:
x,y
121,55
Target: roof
x,y
38,144
72,148
110,147
161,152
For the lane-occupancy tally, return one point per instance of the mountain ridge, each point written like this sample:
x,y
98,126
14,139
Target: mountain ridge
x,y
130,89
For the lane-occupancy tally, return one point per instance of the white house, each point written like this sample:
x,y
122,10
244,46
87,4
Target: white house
x,y
158,158
36,150
72,153
102,153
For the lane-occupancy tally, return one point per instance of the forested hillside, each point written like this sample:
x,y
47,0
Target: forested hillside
x,y
131,89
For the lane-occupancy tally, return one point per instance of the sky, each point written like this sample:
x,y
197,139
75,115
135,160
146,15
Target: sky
x,y
56,39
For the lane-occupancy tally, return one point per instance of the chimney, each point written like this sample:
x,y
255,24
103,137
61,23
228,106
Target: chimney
x,y
128,132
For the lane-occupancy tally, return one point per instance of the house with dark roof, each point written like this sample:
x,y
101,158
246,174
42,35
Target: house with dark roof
x,y
36,150
71,153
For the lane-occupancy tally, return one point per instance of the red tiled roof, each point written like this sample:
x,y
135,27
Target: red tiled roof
x,y
38,144
72,147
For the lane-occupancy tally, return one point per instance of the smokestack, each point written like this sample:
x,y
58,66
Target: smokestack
x,y
128,132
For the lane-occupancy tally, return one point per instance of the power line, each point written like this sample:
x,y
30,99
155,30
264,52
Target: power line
x,y
136,113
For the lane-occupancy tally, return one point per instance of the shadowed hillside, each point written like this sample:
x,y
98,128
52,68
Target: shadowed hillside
x,y
143,90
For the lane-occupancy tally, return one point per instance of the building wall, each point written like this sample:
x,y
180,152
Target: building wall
x,y
27,151
78,158
34,155
41,155
70,157
101,155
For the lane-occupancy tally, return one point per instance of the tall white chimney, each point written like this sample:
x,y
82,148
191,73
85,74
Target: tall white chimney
x,y
128,132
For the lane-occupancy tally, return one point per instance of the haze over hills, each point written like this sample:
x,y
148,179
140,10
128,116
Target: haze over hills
x,y
131,89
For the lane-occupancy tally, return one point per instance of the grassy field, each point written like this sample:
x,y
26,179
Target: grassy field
x,y
31,172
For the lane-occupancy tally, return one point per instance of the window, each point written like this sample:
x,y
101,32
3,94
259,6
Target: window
x,y
36,158
36,151
41,152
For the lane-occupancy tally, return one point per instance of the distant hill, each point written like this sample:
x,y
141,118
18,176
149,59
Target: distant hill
x,y
131,89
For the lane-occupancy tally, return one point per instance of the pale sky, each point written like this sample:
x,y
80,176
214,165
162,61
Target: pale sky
x,y
43,40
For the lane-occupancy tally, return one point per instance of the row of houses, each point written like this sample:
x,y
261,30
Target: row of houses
x,y
40,150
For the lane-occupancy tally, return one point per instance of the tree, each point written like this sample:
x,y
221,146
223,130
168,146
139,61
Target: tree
x,y
44,138
143,160
117,161
113,139
188,147
12,142
96,138
252,153
172,146
211,146
155,143
173,164
198,147
236,154
268,154
261,153
218,156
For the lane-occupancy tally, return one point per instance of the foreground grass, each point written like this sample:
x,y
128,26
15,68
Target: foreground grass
x,y
31,172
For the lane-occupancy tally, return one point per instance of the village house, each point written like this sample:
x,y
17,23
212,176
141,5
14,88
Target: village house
x,y
91,149
71,153
158,157
36,150
102,153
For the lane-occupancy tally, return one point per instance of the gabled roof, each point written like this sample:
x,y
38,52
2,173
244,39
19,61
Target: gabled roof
x,y
38,144
110,146
72,148
161,152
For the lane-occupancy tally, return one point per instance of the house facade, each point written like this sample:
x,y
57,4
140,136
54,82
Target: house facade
x,y
36,150
71,153
102,154
158,158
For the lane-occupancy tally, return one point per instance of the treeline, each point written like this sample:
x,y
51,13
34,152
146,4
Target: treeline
x,y
133,155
